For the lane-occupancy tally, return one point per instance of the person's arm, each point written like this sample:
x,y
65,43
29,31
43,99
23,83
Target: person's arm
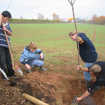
x,y
81,68
40,52
80,40
41,55
24,56
84,95
7,30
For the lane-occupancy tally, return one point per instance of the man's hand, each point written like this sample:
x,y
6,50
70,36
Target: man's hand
x,y
79,67
5,29
41,56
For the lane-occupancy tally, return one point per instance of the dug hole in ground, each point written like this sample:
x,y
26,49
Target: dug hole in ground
x,y
50,87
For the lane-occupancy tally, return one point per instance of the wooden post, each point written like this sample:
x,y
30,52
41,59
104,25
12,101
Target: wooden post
x,y
33,99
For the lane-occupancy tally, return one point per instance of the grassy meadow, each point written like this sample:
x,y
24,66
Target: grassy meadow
x,y
53,39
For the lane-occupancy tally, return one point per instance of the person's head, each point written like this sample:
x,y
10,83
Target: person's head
x,y
95,68
6,15
73,36
32,46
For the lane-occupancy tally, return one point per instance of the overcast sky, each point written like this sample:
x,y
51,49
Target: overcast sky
x,y
30,8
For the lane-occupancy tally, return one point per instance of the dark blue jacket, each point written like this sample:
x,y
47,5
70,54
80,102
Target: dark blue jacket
x,y
87,50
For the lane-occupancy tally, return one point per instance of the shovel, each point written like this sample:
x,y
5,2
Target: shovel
x,y
11,82
4,74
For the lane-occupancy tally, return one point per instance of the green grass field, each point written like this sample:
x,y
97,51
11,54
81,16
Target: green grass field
x,y
54,41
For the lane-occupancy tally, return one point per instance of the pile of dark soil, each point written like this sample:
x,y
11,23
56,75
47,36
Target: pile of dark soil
x,y
50,87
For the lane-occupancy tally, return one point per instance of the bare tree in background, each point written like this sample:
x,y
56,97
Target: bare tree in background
x,y
40,16
55,17
72,2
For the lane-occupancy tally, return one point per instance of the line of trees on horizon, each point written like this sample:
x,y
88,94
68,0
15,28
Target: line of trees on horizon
x,y
98,20
56,19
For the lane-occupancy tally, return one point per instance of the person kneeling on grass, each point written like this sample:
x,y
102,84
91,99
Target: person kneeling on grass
x,y
98,69
32,57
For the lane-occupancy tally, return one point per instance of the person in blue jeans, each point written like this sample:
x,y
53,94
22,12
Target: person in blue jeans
x,y
32,57
98,70
87,51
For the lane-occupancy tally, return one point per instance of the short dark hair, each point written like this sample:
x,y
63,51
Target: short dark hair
x,y
6,14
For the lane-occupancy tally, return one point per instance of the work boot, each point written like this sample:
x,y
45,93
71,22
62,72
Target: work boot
x,y
28,71
43,69
20,72
11,73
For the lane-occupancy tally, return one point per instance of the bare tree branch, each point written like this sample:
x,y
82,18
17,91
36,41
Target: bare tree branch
x,y
74,1
71,2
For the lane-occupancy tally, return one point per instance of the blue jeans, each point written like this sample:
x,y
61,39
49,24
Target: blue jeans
x,y
36,63
87,75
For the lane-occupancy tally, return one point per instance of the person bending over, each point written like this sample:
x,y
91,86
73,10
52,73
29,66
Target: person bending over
x,y
98,69
87,52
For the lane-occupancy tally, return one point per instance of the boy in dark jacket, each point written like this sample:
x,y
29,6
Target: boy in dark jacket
x,y
87,51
